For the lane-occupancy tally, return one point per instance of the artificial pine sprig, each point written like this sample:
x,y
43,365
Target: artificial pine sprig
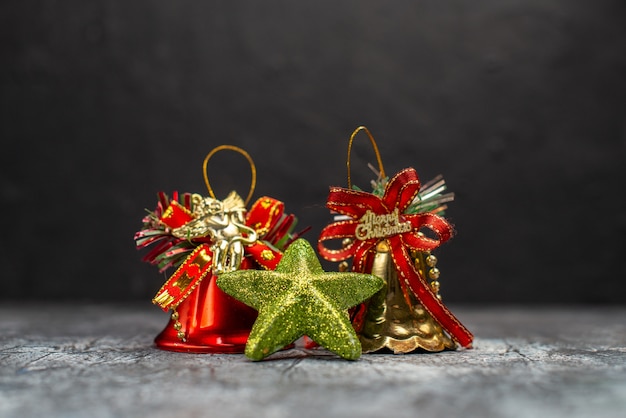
x,y
170,251
431,197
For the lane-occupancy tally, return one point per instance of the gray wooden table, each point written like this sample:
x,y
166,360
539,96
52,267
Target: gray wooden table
x,y
69,360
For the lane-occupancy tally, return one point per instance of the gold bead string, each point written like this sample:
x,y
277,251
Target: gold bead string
x,y
426,263
178,326
344,266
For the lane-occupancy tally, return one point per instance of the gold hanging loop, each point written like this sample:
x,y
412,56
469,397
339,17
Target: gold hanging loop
x,y
378,159
240,151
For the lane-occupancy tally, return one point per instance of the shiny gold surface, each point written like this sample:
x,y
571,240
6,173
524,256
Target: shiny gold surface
x,y
238,150
183,281
178,327
395,319
433,273
373,142
431,261
267,255
163,299
224,222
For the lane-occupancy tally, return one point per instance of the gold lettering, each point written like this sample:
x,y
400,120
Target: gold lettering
x,y
168,212
202,259
163,299
372,225
183,281
267,255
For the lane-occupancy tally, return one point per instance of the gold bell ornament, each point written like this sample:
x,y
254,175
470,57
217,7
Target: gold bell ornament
x,y
391,233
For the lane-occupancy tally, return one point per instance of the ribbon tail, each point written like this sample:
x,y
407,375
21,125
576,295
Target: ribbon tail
x,y
337,230
185,279
361,260
429,300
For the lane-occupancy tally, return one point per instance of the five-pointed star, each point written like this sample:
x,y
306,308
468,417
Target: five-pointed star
x,y
299,298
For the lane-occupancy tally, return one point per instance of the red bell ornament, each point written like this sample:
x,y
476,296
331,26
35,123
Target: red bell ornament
x,y
208,321
203,237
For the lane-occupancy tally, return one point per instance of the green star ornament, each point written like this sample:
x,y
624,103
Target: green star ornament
x,y
299,298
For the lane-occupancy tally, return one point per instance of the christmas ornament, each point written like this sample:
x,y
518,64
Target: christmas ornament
x,y
391,233
298,299
203,237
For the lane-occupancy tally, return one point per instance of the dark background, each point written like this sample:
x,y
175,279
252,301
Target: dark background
x,y
520,104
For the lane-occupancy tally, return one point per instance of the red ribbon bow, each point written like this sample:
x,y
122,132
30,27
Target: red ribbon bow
x,y
265,217
381,218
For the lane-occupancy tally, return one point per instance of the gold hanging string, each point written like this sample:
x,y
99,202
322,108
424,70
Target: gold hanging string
x,y
240,151
378,159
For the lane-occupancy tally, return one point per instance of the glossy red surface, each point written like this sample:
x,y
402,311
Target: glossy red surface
x,y
212,321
